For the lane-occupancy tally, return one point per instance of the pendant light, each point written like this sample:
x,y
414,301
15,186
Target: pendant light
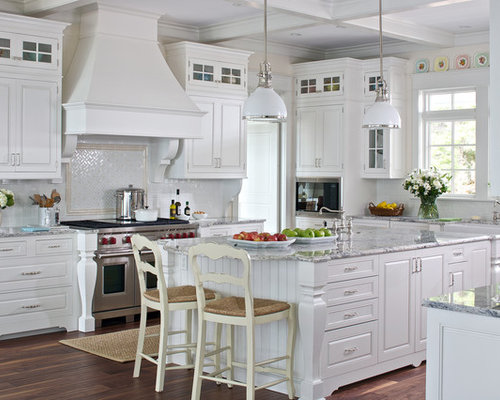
x,y
381,114
264,104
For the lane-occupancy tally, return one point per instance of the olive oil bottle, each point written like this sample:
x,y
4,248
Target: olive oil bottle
x,y
172,209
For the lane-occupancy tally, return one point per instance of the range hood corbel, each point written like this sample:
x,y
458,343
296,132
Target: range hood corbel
x,y
163,151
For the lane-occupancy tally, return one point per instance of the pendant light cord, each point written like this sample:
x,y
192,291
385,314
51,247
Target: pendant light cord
x,y
380,44
265,31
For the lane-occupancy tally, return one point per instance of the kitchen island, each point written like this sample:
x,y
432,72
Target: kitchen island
x,y
464,344
359,312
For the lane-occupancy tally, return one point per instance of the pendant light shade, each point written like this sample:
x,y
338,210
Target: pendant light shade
x,y
264,104
381,114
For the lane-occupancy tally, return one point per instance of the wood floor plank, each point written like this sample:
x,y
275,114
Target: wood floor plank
x,y
40,368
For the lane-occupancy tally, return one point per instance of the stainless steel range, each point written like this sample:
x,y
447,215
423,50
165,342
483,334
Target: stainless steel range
x,y
117,290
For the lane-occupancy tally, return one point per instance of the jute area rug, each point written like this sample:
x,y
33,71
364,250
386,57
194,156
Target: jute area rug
x,y
117,346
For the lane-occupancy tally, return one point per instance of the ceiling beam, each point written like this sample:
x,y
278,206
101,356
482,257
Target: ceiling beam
x,y
404,30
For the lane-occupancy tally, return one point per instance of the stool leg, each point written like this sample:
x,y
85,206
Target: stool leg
x,y
140,341
218,334
229,355
189,335
162,352
200,357
292,322
250,363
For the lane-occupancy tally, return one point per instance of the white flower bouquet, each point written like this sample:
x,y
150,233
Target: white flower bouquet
x,y
6,198
427,184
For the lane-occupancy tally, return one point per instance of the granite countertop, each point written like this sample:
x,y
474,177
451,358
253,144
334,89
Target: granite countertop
x,y
16,231
226,221
363,242
439,221
483,300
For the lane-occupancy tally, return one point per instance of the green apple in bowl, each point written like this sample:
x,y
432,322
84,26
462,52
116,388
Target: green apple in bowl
x,y
308,233
326,231
318,233
289,232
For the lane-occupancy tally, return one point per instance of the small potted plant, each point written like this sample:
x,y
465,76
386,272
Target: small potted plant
x,y
6,200
427,185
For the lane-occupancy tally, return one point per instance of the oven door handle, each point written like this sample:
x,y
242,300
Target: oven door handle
x,y
122,254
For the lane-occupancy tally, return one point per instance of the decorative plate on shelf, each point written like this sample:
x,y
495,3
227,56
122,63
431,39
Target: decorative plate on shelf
x,y
441,64
422,65
249,244
481,59
462,61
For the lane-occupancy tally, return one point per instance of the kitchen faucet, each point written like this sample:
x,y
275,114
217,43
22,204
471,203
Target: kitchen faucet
x,y
495,212
345,225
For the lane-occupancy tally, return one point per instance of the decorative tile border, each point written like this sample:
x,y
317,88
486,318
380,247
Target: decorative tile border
x,y
97,170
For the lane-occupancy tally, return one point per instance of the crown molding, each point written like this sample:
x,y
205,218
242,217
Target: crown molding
x,y
465,39
169,30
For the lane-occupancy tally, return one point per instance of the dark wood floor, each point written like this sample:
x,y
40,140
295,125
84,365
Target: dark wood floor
x,y
38,367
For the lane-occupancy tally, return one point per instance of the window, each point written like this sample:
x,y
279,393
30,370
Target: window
x,y
448,132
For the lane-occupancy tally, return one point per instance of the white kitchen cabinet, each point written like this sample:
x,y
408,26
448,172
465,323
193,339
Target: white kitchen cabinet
x,y
319,140
229,229
38,286
309,222
30,113
405,279
30,98
219,89
384,149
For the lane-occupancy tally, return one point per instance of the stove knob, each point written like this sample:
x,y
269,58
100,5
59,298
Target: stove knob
x,y
171,236
177,235
112,240
184,235
104,240
126,239
191,234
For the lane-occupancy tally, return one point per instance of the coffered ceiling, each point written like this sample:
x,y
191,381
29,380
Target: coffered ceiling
x,y
322,27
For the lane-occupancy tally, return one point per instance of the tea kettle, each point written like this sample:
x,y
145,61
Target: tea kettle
x,y
127,201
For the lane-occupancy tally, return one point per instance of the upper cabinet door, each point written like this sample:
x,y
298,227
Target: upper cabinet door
x,y
232,138
317,85
220,75
307,128
38,134
330,147
28,51
7,101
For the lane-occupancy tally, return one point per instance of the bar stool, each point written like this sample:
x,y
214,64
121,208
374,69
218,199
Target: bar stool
x,y
238,311
164,300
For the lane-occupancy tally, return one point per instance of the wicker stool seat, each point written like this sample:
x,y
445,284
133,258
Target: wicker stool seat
x,y
245,312
178,294
235,306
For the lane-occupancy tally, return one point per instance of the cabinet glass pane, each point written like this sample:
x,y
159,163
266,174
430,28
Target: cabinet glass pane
x,y
208,68
4,42
372,83
4,48
27,56
380,138
231,75
198,67
44,48
371,159
45,58
31,46
380,159
4,53
226,71
308,86
371,134
208,77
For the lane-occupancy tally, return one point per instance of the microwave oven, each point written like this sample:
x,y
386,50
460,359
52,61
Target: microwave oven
x,y
313,193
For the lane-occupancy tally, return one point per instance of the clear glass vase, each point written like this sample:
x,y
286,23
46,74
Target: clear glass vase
x,y
428,208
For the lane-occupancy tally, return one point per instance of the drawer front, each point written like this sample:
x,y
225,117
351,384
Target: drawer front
x,y
351,314
55,272
13,249
350,291
457,254
36,302
53,246
348,349
342,270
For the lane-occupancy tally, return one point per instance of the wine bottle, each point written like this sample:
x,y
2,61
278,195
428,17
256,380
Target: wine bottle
x,y
187,210
172,209
178,204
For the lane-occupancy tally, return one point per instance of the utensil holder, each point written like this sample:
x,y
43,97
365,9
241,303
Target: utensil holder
x,y
46,216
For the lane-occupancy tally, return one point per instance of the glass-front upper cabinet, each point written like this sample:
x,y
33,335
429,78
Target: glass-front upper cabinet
x,y
216,74
28,51
328,84
376,149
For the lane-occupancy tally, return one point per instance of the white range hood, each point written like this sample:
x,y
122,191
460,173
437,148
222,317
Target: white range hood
x,y
119,83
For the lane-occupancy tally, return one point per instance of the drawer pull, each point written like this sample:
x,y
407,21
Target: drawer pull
x,y
32,306
10,249
350,315
32,273
350,269
350,350
54,246
458,253
350,292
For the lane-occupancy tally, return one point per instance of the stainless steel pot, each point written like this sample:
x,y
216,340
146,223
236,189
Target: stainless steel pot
x,y
127,201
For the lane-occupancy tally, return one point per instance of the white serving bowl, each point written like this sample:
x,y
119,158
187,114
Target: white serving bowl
x,y
182,217
146,215
200,216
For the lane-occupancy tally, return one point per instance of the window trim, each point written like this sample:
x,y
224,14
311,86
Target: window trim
x,y
477,79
